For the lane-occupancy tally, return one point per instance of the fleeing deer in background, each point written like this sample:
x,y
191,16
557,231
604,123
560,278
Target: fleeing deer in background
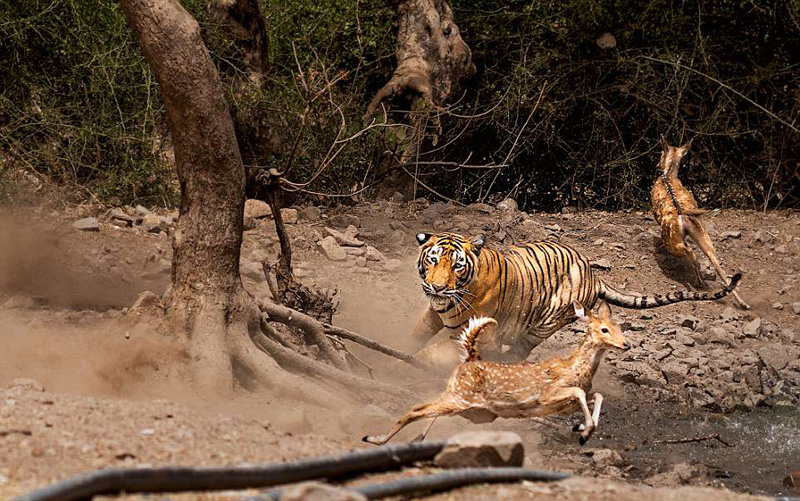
x,y
675,209
483,391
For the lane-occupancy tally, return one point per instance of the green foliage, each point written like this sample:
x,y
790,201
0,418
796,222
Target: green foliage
x,y
79,105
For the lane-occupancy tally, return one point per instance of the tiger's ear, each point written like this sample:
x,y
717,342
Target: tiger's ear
x,y
423,237
579,311
478,242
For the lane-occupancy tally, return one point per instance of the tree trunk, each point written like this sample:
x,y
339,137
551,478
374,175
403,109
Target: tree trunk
x,y
432,63
207,295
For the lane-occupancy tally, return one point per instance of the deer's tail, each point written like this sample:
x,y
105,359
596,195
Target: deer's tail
x,y
469,338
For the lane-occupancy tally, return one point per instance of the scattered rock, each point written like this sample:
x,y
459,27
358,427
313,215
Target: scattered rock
x,y
761,237
25,384
607,457
753,328
781,249
720,335
482,449
684,339
346,238
729,314
146,299
796,308
726,235
392,265
256,208
777,355
310,213
374,254
87,224
332,249
675,372
509,204
601,264
680,474
777,306
689,321
641,373
361,262
355,251
141,210
317,491
151,223
289,216
485,208
606,41
397,197
120,217
552,227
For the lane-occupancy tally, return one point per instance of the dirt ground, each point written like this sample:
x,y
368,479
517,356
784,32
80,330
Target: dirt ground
x,y
114,397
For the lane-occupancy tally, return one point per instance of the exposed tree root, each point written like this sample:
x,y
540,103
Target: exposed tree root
x,y
366,390
309,326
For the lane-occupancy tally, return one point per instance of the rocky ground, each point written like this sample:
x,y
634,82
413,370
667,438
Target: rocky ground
x,y
69,278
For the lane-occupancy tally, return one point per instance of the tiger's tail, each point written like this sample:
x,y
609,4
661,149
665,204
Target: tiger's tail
x,y
469,338
619,298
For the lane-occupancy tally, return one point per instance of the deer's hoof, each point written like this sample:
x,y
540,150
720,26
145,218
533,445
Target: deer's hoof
x,y
582,440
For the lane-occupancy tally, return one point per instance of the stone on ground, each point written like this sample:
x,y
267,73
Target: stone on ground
x,y
87,224
256,209
346,238
331,249
146,299
481,449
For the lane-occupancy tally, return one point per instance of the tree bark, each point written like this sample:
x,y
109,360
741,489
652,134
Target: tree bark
x,y
433,61
432,58
206,297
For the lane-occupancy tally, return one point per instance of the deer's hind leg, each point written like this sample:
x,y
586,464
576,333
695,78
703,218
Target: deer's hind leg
x,y
427,410
674,237
698,233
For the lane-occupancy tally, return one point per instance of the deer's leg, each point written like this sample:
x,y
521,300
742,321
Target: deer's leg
x,y
421,436
700,236
674,237
421,411
598,403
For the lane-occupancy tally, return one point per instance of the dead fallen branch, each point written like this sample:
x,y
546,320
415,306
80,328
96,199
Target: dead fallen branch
x,y
332,330
713,436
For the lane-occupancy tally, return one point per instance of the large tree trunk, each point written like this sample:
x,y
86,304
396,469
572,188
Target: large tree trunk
x,y
432,63
207,302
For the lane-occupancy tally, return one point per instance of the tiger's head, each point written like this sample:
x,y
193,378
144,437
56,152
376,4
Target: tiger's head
x,y
448,264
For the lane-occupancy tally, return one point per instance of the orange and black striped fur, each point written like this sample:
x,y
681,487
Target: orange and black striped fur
x,y
676,211
529,290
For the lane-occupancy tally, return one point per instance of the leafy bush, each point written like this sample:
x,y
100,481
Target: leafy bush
x,y
78,104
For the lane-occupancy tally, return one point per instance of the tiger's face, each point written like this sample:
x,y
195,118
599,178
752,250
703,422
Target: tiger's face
x,y
448,264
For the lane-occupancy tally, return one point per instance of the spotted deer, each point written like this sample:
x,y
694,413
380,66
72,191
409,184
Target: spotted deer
x,y
676,211
483,391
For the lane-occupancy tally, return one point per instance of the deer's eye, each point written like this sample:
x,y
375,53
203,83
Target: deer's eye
x,y
604,330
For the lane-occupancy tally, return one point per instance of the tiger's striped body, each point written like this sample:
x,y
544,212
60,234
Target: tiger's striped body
x,y
529,290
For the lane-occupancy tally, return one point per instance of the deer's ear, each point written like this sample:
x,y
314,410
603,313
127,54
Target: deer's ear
x,y
687,145
580,312
664,143
423,237
604,310
478,241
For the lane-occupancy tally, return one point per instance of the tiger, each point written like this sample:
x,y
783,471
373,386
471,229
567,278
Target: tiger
x,y
528,289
